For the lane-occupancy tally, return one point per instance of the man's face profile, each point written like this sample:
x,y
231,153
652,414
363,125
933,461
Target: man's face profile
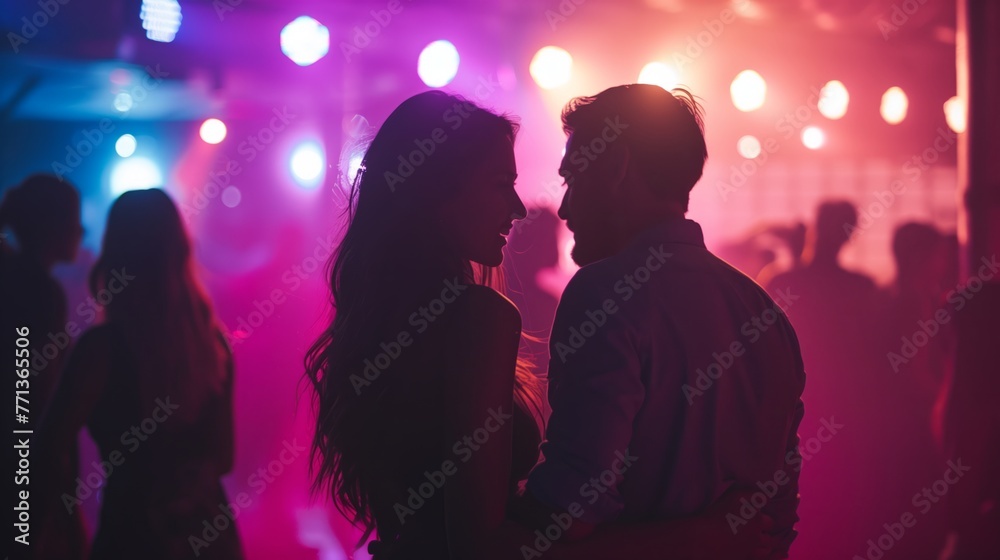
x,y
586,203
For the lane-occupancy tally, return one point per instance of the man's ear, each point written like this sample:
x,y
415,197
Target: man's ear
x,y
619,161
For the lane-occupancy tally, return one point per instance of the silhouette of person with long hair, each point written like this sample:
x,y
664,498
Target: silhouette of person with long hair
x,y
43,214
424,412
153,385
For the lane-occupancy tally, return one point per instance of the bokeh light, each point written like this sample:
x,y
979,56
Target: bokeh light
x,y
833,100
954,114
551,67
307,164
125,145
161,19
748,91
231,197
212,131
660,74
813,137
437,65
894,105
305,40
123,102
120,77
135,173
748,146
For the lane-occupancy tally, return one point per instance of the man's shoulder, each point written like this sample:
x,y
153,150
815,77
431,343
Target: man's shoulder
x,y
651,256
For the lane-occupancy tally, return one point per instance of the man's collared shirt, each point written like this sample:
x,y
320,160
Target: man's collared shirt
x,y
673,377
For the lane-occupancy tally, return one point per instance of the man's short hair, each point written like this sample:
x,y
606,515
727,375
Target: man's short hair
x,y
663,130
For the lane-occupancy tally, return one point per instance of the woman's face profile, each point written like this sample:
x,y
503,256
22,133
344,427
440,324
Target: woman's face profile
x,y
479,216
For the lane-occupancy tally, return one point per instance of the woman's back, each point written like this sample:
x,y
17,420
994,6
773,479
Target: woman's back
x,y
164,479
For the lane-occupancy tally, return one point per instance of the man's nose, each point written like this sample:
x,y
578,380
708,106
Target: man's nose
x,y
564,207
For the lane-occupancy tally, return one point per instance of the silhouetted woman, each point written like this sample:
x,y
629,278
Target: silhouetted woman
x,y
153,384
425,415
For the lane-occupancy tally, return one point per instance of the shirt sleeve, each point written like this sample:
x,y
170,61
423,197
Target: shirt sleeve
x,y
783,507
595,391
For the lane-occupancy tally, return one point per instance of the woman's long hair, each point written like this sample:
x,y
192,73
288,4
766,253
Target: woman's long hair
x,y
390,258
146,276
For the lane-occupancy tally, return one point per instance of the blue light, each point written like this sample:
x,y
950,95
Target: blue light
x,y
161,19
125,146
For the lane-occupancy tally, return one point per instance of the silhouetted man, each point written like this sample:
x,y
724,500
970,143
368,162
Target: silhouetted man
x,y
673,376
837,321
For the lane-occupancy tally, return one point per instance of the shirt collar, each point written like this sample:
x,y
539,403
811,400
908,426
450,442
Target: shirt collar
x,y
674,230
